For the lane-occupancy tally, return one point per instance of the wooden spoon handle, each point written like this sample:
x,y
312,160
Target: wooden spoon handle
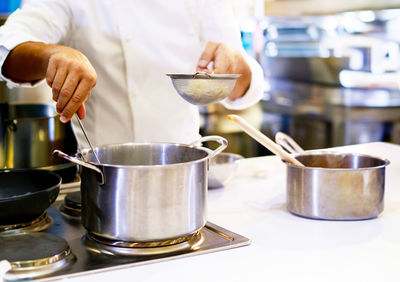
x,y
264,140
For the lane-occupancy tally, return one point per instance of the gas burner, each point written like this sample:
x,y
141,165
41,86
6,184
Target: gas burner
x,y
47,254
98,244
72,205
40,223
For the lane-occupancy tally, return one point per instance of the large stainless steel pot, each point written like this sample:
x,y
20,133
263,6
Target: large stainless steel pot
x,y
336,186
3,111
3,116
30,133
150,191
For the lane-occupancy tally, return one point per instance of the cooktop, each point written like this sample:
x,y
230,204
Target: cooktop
x,y
82,253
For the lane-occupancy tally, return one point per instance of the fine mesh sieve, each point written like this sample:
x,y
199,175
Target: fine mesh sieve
x,y
203,88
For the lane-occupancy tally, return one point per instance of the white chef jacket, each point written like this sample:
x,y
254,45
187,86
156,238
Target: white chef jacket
x,y
132,45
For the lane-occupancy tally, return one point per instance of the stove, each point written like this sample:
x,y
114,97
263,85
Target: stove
x,y
40,223
64,248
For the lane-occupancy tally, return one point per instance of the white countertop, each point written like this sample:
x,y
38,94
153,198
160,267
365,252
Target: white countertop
x,y
286,247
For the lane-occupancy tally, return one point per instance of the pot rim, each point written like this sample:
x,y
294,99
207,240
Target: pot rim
x,y
207,150
385,161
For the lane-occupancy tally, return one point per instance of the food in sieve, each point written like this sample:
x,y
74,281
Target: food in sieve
x,y
203,88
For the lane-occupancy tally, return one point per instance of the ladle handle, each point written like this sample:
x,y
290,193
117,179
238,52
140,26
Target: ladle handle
x,y
264,140
87,138
288,143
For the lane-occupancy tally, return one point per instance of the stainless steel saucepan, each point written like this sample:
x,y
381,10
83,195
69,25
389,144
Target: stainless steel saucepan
x,y
334,185
146,192
326,185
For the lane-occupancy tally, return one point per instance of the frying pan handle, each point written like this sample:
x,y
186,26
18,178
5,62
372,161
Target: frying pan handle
x,y
287,143
221,140
80,162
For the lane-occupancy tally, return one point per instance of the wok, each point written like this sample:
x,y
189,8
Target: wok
x,y
26,193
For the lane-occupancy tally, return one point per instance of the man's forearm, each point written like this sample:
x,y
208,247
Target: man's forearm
x,y
27,62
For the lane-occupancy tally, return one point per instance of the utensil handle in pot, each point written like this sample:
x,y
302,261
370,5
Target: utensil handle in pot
x,y
221,140
287,143
80,162
264,140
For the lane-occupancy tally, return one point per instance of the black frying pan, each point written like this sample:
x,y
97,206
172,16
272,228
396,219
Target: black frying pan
x,y
26,193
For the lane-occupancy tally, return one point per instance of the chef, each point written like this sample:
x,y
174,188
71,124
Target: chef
x,y
107,60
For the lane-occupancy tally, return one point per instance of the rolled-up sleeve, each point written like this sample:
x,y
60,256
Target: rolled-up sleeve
x,y
218,23
37,21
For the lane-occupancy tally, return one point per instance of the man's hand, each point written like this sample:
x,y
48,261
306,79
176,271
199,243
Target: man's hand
x,y
227,61
71,77
67,71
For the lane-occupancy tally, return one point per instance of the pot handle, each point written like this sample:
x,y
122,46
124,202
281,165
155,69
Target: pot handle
x,y
80,162
221,140
287,143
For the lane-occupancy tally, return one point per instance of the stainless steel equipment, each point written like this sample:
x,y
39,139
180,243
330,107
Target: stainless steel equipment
x,y
86,137
336,186
151,191
76,253
203,88
30,133
327,86
320,116
3,116
222,169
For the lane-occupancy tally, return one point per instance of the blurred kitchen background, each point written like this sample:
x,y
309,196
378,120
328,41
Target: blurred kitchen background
x,y
332,73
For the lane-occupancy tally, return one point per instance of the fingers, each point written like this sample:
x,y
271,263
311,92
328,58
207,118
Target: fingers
x,y
81,111
71,77
51,73
63,94
207,56
75,103
229,61
223,62
58,82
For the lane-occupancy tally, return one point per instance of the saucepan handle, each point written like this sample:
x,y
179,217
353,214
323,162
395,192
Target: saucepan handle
x,y
221,140
80,162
